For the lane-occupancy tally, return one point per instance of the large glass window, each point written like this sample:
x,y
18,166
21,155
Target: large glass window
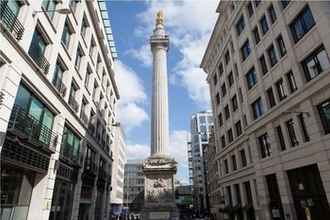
x,y
240,25
272,13
62,200
280,89
324,111
251,78
292,134
49,6
245,50
66,35
257,108
272,55
38,46
316,63
265,148
302,24
70,144
264,24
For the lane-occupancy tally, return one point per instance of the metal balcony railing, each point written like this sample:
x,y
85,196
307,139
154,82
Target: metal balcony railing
x,y
73,103
27,125
40,60
60,87
9,19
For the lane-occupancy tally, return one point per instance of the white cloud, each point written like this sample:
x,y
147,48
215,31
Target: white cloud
x,y
142,54
132,97
189,24
137,151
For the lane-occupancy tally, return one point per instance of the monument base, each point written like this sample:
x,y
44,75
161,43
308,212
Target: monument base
x,y
159,202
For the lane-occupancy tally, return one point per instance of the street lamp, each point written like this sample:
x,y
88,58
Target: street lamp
x,y
63,11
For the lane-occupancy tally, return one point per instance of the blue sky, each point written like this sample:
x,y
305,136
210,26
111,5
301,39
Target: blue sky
x,y
189,25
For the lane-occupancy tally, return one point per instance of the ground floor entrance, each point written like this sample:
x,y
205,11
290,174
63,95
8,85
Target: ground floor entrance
x,y
308,193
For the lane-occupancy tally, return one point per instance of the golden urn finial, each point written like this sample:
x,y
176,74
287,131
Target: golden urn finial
x,y
160,17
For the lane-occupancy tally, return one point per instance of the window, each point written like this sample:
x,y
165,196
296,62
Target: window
x,y
227,57
280,89
280,137
50,7
303,127
84,27
70,144
88,77
272,13
264,24
257,3
272,55
58,78
37,48
249,8
285,3
281,45
92,48
234,103
265,148
238,127
230,79
245,50
234,163
220,69
223,141
227,113
95,90
263,64
230,135
291,131
66,35
240,25
243,157
302,24
215,79
324,111
238,194
79,56
256,35
217,98
72,98
83,115
240,95
271,98
244,120
226,166
291,81
251,78
315,63
220,119
223,90
257,108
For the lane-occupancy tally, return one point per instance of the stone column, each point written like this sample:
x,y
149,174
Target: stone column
x,y
160,128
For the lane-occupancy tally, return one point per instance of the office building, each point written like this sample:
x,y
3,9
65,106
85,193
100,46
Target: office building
x,y
267,66
201,123
58,109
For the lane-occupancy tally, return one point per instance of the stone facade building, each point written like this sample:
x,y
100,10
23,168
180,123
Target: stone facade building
x,y
201,123
268,71
56,74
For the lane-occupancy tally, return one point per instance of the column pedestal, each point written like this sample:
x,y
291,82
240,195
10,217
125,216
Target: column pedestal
x,y
159,201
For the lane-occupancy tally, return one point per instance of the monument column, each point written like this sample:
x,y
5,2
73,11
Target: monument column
x,y
159,169
159,130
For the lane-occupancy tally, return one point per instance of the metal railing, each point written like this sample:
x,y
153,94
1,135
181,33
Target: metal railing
x,y
40,60
73,103
33,129
10,21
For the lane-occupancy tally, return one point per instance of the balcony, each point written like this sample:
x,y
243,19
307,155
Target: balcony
x,y
60,87
10,21
26,126
73,103
40,60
